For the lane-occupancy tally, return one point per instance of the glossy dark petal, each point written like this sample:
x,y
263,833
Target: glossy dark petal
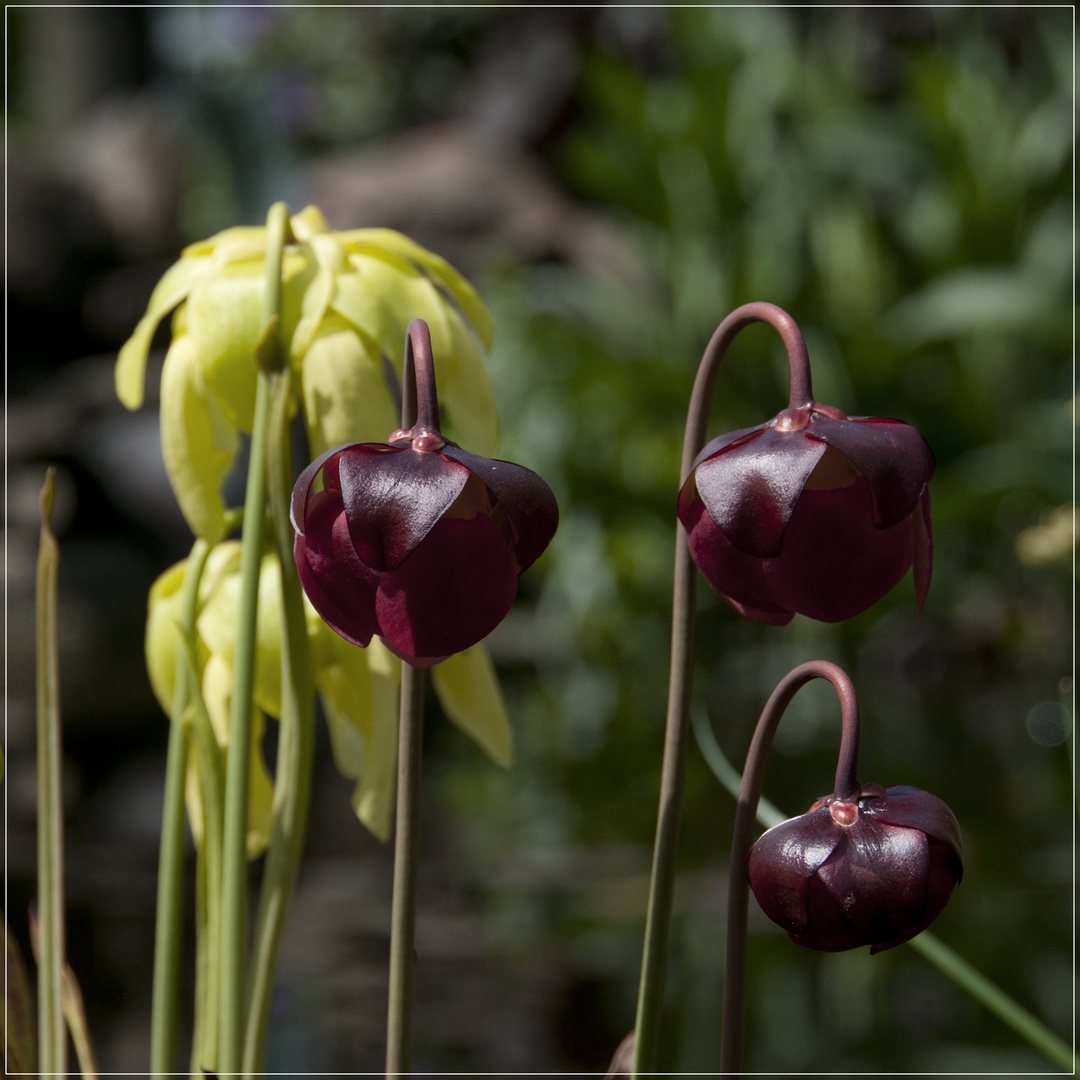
x,y
452,591
915,809
734,576
835,561
525,498
393,498
302,488
340,587
714,446
750,488
892,455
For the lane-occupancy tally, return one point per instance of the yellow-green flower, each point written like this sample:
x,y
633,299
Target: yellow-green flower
x,y
358,689
347,298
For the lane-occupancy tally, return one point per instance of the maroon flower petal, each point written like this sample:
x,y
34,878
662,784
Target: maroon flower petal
x,y
836,562
892,455
734,576
340,587
750,488
527,501
714,446
302,488
454,589
911,808
393,498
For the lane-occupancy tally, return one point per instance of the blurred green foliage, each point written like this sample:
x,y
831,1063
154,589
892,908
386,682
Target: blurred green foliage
x,y
901,186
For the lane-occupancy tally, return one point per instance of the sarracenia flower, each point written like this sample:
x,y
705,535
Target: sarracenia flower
x,y
347,298
358,689
813,512
874,868
415,539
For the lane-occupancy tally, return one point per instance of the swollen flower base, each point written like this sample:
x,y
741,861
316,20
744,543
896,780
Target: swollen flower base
x,y
415,539
872,869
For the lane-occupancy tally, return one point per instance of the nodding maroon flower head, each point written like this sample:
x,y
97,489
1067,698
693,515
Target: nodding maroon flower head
x,y
875,868
415,539
814,512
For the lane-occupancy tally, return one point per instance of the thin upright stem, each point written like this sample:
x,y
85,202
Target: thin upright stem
x,y
406,843
52,1034
238,765
296,745
164,1011
731,1029
680,685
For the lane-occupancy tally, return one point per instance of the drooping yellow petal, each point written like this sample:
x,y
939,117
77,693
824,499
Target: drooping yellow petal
x,y
330,261
224,324
359,692
345,394
382,293
465,392
217,693
436,267
197,441
307,223
469,692
130,374
229,240
162,635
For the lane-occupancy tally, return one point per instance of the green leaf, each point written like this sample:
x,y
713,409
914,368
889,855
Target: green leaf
x,y
469,692
436,267
198,442
130,371
345,394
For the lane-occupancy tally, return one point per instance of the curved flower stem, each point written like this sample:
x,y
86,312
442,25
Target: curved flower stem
x,y
932,948
52,1035
296,744
170,903
238,765
419,400
403,911
731,1030
680,685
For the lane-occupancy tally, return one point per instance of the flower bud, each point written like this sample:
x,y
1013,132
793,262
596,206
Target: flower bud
x,y
814,512
874,869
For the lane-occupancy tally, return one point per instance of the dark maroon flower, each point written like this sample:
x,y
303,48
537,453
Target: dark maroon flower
x,y
415,539
814,512
875,869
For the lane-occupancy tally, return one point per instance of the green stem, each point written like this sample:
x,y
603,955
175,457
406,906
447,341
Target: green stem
x,y
995,999
296,745
52,1035
168,927
211,766
680,685
950,963
238,764
403,909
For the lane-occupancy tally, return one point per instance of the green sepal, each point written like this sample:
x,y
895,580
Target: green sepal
x,y
468,690
198,441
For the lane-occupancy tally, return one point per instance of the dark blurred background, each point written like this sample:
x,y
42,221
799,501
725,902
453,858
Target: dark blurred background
x,y
615,180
